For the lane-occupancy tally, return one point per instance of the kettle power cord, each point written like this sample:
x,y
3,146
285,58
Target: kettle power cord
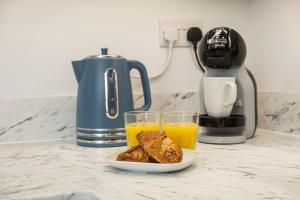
x,y
194,35
171,36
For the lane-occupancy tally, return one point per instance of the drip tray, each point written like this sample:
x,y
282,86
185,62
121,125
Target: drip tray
x,y
224,135
226,139
222,122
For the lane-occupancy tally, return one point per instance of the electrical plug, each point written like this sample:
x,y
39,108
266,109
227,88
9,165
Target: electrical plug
x,y
194,35
171,36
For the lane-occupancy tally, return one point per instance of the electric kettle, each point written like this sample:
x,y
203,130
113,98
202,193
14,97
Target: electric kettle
x,y
104,94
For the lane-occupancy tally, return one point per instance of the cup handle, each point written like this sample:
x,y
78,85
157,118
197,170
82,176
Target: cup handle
x,y
232,93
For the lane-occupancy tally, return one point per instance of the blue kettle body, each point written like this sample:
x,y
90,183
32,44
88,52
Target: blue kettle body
x,y
104,94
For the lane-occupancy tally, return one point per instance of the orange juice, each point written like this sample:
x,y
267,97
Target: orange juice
x,y
183,134
133,129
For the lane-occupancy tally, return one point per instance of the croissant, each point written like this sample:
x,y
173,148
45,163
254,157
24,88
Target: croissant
x,y
134,154
160,147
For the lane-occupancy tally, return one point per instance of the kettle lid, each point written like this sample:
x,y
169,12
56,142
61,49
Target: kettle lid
x,y
104,54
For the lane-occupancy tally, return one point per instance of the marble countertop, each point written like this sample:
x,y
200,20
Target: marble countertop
x,y
266,167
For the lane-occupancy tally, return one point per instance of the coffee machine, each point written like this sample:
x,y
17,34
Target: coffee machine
x,y
222,52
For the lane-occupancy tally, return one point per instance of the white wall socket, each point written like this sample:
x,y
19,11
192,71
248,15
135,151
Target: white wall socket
x,y
182,26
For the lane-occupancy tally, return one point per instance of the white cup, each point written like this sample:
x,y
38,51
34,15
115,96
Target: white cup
x,y
219,95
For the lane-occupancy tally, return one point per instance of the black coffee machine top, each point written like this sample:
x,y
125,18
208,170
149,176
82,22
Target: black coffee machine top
x,y
222,48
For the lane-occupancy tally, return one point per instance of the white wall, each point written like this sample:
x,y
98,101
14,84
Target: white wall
x,y
274,44
39,38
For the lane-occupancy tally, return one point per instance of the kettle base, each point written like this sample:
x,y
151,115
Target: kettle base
x,y
101,143
91,137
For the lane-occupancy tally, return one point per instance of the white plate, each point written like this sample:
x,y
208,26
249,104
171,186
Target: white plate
x,y
188,157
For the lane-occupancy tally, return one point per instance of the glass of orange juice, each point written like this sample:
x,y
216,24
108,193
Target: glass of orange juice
x,y
137,121
181,127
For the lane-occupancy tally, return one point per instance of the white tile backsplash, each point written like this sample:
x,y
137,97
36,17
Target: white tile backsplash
x,y
47,118
280,112
25,119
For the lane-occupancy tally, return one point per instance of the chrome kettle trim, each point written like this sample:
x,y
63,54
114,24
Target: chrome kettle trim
x,y
100,129
116,93
103,56
101,141
101,135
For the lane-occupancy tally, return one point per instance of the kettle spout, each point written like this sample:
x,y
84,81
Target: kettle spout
x,y
78,68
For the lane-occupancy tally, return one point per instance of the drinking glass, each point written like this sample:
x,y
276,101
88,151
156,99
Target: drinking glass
x,y
181,128
137,121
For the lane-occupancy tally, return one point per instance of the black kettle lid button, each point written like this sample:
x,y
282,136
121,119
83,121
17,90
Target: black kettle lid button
x,y
104,51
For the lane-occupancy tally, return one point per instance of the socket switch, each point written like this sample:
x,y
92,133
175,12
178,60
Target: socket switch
x,y
182,26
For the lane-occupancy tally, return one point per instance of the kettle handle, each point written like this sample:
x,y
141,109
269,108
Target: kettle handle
x,y
133,64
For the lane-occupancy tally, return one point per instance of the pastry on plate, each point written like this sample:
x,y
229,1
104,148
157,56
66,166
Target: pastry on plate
x,y
160,147
134,154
